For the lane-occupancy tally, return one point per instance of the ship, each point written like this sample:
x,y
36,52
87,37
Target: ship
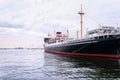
x,y
103,41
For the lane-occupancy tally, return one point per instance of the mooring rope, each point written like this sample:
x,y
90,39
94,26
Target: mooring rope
x,y
81,48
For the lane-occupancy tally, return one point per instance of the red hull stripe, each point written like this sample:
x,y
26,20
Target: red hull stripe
x,y
84,54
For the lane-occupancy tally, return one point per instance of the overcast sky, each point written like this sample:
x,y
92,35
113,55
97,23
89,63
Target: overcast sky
x,y
24,23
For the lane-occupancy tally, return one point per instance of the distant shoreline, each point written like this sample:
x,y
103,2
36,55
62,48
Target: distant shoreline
x,y
19,48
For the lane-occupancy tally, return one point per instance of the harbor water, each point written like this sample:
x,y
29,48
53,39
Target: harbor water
x,y
35,64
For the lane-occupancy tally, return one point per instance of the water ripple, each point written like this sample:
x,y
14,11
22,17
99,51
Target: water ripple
x,y
37,65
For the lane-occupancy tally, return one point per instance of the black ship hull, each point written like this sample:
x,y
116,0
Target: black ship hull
x,y
104,47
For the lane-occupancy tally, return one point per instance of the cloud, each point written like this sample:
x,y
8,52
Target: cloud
x,y
32,19
17,32
39,13
16,37
4,24
19,12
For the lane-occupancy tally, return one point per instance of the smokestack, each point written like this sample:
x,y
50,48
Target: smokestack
x,y
58,34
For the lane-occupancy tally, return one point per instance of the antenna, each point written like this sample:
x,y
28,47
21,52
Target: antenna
x,y
81,22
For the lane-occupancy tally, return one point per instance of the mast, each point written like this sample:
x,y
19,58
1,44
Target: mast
x,y
49,35
67,34
81,22
77,35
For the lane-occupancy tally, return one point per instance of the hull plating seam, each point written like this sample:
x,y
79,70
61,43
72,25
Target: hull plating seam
x,y
84,54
